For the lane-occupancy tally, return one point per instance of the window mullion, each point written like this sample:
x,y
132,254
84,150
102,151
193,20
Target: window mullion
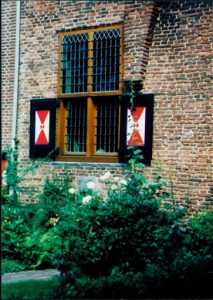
x,y
63,117
90,127
90,106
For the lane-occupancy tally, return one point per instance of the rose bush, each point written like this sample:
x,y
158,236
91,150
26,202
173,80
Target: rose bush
x,y
134,243
131,245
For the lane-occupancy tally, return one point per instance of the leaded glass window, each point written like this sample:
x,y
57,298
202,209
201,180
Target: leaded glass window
x,y
91,61
75,63
76,126
106,60
90,82
107,125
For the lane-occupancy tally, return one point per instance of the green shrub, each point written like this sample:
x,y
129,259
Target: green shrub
x,y
15,227
27,231
54,195
131,245
28,235
10,265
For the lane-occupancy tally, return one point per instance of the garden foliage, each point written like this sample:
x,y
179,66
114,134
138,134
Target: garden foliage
x,y
133,243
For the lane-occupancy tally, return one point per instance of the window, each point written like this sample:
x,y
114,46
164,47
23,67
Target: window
x,y
90,82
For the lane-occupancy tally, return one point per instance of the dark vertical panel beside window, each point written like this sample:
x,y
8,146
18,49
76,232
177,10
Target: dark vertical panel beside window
x,y
76,126
107,125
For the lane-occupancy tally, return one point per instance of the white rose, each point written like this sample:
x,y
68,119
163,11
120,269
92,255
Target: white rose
x,y
72,191
53,221
90,185
116,179
123,181
105,176
4,178
114,187
86,199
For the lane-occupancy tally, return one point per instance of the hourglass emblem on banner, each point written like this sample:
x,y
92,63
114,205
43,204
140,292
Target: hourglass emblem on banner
x,y
42,119
136,126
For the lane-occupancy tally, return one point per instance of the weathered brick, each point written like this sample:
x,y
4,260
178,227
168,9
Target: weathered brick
x,y
166,45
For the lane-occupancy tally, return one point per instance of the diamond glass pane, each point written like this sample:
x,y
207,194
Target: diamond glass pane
x,y
106,60
75,63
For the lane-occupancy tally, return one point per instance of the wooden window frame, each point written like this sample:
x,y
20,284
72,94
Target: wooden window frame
x,y
90,155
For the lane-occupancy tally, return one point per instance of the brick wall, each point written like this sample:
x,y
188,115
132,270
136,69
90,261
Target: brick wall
x,y
39,57
166,46
179,74
8,34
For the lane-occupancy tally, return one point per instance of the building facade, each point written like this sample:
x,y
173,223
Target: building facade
x,y
81,56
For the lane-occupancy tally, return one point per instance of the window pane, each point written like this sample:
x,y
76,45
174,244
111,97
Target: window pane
x,y
76,126
74,63
107,125
106,60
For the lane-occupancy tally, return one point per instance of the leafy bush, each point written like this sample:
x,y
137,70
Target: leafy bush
x,y
28,231
55,194
131,245
27,236
15,226
11,266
